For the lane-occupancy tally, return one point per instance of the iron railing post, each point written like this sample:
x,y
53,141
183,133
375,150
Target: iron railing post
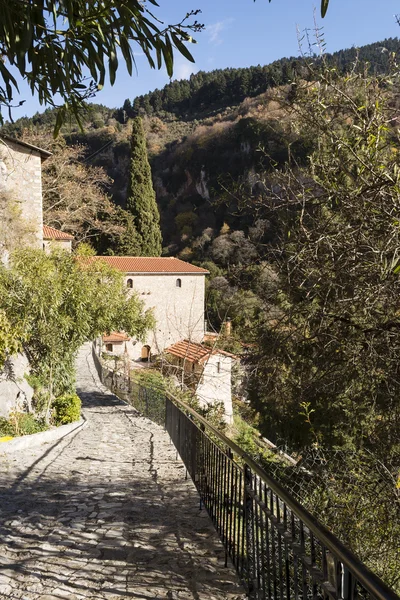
x,y
249,529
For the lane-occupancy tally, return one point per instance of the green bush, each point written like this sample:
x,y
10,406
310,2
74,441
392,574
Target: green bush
x,y
20,423
6,428
28,424
66,409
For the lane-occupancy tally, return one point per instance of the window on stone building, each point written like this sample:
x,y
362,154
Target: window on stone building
x,y
178,283
129,283
218,367
109,347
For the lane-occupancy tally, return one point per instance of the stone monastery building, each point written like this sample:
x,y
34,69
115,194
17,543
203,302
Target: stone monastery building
x,y
174,290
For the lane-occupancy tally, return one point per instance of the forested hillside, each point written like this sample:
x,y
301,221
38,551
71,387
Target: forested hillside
x,y
204,136
205,92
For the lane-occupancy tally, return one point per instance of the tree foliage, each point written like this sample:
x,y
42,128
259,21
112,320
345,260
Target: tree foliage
x,y
66,48
327,369
141,201
54,303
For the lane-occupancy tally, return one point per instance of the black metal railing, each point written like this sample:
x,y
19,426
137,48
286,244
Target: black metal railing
x,y
279,549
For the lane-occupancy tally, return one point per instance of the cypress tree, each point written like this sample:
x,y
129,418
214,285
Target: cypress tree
x,y
141,201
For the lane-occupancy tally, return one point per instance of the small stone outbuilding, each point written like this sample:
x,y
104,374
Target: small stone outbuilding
x,y
53,239
207,371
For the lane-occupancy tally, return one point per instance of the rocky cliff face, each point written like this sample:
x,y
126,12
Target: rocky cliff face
x,y
15,392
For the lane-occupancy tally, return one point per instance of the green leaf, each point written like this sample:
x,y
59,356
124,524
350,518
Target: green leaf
x,y
181,47
8,80
159,57
324,7
168,56
113,66
126,53
59,120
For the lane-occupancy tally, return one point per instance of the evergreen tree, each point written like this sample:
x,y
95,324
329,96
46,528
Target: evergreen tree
x,y
128,243
127,107
141,201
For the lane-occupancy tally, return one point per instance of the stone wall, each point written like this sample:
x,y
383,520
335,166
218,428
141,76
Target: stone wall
x,y
15,392
215,384
179,310
21,220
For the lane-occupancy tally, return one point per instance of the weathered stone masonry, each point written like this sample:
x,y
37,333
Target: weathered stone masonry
x,y
21,189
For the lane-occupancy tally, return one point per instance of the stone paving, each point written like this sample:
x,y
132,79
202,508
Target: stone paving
x,y
106,514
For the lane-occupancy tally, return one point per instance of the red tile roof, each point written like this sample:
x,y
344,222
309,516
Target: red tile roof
x,y
115,337
144,264
49,233
193,352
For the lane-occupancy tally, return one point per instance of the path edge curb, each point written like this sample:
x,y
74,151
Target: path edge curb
x,y
43,437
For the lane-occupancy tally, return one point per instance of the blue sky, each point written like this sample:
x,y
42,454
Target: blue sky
x,y
241,33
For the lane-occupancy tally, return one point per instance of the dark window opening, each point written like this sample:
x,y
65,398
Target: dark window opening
x,y
109,347
179,283
129,283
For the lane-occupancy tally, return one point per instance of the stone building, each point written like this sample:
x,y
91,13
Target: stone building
x,y
115,343
55,239
20,220
20,195
207,371
174,290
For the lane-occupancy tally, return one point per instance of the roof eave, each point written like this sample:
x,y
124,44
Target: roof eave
x,y
57,239
166,272
44,154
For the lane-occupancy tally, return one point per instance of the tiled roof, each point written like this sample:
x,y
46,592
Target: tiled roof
x,y
144,264
193,352
49,233
115,337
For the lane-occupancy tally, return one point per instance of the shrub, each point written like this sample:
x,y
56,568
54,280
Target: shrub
x,y
26,424
6,428
20,423
66,409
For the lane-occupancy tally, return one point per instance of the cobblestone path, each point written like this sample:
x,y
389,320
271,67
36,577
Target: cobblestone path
x,y
106,513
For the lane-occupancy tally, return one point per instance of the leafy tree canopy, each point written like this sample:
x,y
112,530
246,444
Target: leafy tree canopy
x,y
51,304
327,367
65,48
